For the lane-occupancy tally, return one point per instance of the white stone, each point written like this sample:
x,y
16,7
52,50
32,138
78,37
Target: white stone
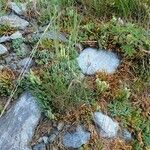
x,y
107,127
14,21
3,49
16,35
18,8
92,60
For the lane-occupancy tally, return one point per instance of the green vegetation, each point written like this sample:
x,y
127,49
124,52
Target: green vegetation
x,y
101,85
135,10
131,117
17,47
57,81
59,88
130,38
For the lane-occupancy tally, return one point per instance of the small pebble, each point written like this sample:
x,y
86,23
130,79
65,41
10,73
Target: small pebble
x,y
3,49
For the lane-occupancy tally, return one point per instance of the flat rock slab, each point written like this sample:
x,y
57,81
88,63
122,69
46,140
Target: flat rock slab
x,y
76,139
14,21
107,127
92,60
18,124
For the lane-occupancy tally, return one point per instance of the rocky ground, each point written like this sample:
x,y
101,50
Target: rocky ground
x,y
28,123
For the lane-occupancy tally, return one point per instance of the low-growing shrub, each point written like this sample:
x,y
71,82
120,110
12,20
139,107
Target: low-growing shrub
x,y
131,116
59,88
130,38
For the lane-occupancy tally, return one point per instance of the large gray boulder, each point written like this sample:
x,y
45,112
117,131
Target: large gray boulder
x,y
18,124
14,21
92,60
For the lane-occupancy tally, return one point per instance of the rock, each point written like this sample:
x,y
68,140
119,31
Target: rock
x,y
39,146
126,135
8,59
52,138
25,49
76,139
107,127
3,49
55,36
16,35
18,8
1,67
24,62
60,126
43,139
4,39
18,124
52,135
2,61
14,21
13,66
91,61
120,21
50,34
